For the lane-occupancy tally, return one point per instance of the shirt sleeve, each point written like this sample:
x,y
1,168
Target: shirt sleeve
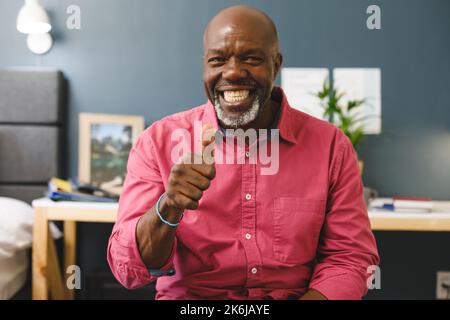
x,y
142,188
347,246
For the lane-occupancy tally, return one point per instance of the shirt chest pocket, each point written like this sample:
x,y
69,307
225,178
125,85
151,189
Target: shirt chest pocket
x,y
296,228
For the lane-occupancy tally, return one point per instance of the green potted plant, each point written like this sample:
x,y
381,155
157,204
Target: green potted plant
x,y
344,116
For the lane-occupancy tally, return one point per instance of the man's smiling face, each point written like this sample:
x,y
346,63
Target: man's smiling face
x,y
241,61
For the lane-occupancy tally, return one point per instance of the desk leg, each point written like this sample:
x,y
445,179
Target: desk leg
x,y
70,245
40,255
55,279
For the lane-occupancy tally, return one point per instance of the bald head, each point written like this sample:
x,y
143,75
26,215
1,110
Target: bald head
x,y
235,19
241,58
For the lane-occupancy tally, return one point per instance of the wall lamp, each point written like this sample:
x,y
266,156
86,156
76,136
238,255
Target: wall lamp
x,y
34,21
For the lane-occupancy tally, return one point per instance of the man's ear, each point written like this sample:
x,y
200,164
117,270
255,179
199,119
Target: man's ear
x,y
278,61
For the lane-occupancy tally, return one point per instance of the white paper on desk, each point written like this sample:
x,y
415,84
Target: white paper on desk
x,y
358,84
301,85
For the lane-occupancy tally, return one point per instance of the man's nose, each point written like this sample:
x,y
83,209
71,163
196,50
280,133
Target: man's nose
x,y
234,70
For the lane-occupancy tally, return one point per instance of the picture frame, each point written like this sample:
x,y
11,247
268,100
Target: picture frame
x,y
105,141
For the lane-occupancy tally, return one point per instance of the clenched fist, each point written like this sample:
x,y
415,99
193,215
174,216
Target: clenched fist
x,y
192,175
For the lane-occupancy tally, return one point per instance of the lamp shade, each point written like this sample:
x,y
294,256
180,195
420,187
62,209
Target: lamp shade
x,y
33,18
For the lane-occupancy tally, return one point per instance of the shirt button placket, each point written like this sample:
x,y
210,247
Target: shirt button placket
x,y
249,224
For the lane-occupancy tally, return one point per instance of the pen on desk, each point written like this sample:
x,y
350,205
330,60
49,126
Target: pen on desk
x,y
386,206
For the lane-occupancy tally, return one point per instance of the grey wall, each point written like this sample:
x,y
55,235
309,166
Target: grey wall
x,y
144,57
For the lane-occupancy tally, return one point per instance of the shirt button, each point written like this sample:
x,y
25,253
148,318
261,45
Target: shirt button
x,y
247,154
254,270
248,196
248,236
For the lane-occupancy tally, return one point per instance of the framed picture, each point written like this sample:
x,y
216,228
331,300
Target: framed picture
x,y
105,142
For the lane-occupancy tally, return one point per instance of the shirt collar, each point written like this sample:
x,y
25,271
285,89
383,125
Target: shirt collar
x,y
284,118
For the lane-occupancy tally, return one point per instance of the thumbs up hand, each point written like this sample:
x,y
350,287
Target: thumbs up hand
x,y
190,177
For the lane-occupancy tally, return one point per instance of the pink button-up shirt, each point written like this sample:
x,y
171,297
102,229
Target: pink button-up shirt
x,y
254,236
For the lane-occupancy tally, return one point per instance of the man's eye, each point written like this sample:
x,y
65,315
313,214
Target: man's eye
x,y
216,60
253,59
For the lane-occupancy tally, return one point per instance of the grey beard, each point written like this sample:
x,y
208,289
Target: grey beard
x,y
242,120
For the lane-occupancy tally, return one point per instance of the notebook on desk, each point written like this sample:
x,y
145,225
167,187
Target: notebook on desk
x,y
403,204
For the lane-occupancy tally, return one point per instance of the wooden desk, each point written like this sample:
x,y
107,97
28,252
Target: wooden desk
x,y
437,220
46,274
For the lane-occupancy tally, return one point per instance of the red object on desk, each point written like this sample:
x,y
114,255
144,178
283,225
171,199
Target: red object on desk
x,y
412,198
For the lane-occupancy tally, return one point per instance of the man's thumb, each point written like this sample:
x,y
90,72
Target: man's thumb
x,y
208,138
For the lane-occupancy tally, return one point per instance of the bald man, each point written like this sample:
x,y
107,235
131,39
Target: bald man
x,y
206,228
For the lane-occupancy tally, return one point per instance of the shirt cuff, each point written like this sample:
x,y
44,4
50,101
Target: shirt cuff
x,y
125,259
339,287
165,270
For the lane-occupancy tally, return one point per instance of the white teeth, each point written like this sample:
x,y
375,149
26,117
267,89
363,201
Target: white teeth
x,y
236,96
